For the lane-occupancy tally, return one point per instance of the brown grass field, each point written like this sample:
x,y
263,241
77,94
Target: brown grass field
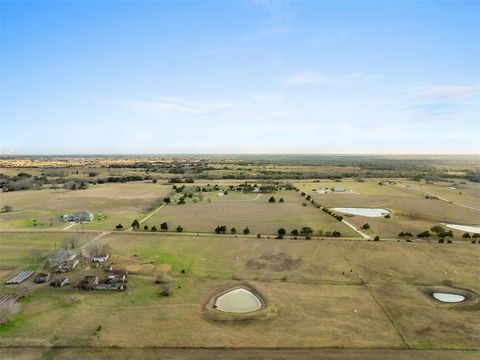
x,y
410,210
118,203
331,293
252,210
359,296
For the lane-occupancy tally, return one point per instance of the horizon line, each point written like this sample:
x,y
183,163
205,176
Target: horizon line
x,y
237,154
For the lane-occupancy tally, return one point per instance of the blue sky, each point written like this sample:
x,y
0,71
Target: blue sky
x,y
240,77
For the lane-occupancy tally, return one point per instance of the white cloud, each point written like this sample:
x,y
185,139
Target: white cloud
x,y
170,104
278,114
446,92
311,77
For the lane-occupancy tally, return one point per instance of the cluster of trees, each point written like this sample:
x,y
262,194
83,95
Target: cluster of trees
x,y
163,226
22,181
178,189
272,200
468,236
177,180
330,212
306,232
122,179
76,185
437,231
222,229
25,181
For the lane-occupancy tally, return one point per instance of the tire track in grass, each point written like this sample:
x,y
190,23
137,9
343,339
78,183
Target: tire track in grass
x,y
148,216
388,316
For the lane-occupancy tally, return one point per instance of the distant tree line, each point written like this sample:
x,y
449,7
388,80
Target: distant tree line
x,y
25,181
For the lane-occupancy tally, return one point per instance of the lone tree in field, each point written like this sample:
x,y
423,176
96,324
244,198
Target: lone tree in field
x,y
271,200
35,254
8,311
7,208
246,231
179,228
366,226
71,243
153,228
164,226
119,227
281,233
233,231
281,200
145,227
166,200
135,224
165,289
377,238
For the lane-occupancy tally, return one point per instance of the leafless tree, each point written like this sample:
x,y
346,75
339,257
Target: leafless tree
x,y
70,243
35,254
59,257
7,208
165,288
22,291
92,249
8,311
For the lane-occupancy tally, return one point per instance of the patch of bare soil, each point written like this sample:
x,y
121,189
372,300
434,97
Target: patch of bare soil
x,y
275,262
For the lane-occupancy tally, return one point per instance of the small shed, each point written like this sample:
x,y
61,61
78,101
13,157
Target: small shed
x,y
60,282
100,259
42,278
117,278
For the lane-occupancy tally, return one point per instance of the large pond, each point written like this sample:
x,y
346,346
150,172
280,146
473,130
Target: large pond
x,y
467,228
368,212
448,298
238,301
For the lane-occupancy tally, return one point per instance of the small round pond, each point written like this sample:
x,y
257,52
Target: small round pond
x,y
448,298
238,301
368,212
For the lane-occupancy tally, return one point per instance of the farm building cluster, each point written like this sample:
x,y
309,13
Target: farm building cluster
x,y
77,217
114,280
63,261
337,189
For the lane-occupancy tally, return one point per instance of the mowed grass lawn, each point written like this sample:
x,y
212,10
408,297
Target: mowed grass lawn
x,y
248,210
18,251
118,203
410,210
318,288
